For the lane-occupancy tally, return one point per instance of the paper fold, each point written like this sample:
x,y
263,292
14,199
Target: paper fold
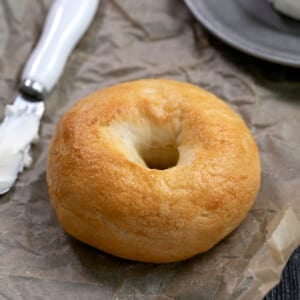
x,y
283,239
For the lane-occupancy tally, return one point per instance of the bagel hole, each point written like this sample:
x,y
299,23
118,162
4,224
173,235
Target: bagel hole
x,y
160,157
148,144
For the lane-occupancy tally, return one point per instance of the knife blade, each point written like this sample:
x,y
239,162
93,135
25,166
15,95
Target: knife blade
x,y
66,22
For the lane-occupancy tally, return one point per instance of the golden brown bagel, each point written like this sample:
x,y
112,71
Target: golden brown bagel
x,y
152,170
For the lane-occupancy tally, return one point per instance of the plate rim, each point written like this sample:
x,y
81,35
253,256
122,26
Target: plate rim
x,y
243,46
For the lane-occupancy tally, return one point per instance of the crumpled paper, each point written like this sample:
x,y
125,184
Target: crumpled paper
x,y
130,40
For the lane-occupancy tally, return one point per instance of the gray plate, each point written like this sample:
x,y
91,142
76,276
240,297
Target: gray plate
x,y
251,26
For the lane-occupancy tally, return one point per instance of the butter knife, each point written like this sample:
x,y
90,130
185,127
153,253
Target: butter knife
x,y
66,22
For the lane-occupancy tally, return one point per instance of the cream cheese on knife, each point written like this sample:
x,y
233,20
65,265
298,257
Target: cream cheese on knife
x,y
19,130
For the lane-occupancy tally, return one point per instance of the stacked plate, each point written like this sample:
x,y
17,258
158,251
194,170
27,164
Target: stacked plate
x,y
251,26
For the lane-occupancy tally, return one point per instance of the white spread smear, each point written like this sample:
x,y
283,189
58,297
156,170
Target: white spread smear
x,y
18,130
290,8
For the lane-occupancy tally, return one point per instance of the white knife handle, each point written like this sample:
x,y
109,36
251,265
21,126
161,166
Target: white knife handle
x,y
66,22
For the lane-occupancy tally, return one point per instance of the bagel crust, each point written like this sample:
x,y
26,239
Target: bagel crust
x,y
152,170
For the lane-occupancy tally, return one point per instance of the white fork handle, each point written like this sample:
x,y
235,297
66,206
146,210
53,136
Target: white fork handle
x,y
66,22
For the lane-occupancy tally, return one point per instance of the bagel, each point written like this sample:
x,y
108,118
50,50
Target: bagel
x,y
152,170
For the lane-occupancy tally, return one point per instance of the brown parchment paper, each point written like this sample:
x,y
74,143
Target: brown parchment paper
x,y
128,40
